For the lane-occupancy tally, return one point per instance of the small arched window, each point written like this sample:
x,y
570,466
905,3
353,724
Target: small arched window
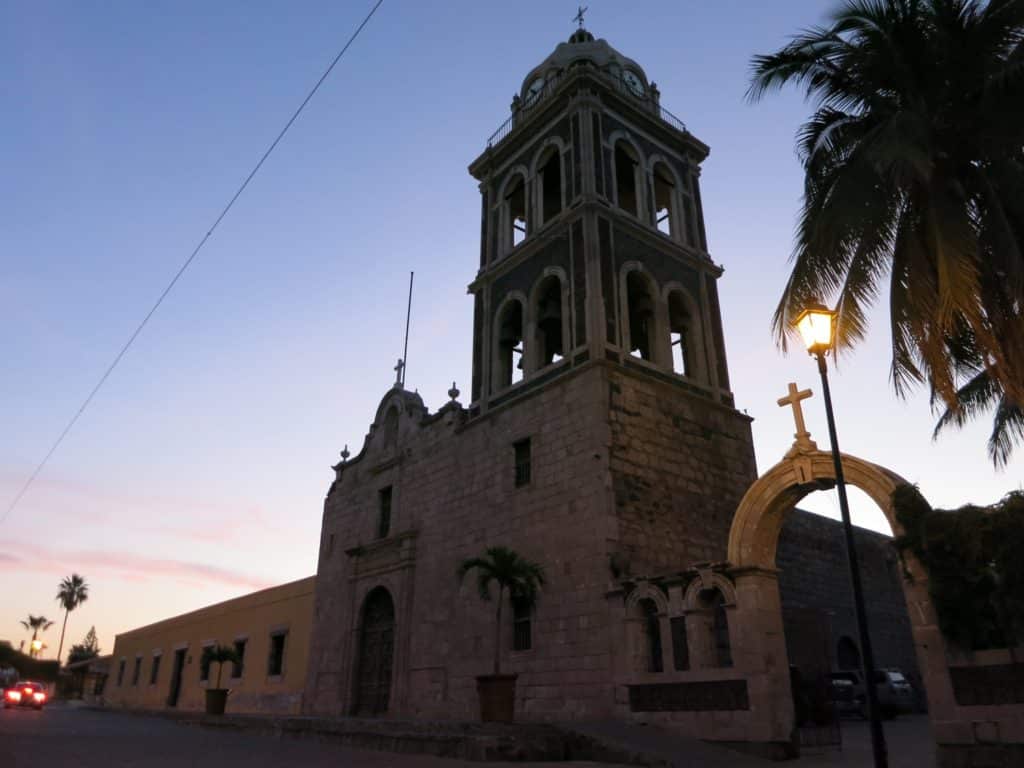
x,y
640,307
652,635
665,200
714,601
682,329
626,164
550,181
508,367
549,342
515,212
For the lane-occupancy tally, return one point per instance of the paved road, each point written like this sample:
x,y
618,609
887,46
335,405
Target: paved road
x,y
62,737
78,738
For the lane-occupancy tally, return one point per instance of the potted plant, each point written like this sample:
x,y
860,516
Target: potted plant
x,y
522,580
217,698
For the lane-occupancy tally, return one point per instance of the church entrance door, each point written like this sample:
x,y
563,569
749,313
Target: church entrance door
x,y
376,652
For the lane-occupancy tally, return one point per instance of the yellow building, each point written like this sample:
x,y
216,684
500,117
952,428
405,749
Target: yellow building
x,y
160,665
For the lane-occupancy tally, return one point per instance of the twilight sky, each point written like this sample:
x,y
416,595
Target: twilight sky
x,y
199,472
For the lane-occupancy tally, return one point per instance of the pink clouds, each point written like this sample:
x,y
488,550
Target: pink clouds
x,y
199,520
15,556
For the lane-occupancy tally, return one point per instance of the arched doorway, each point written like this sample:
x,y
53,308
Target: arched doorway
x,y
376,654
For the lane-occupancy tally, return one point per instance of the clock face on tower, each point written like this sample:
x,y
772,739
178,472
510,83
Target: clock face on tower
x,y
534,90
633,82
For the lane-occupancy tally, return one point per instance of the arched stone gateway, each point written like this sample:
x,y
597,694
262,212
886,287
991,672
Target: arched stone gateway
x,y
761,646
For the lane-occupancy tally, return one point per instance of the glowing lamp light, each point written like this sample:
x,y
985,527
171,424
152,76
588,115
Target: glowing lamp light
x,y
817,327
37,645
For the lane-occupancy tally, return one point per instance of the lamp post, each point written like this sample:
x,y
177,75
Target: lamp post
x,y
817,327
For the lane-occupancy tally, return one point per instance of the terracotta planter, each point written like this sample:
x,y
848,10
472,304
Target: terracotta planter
x,y
216,699
497,697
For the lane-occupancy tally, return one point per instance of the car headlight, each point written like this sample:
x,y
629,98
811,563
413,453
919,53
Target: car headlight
x,y
39,696
14,695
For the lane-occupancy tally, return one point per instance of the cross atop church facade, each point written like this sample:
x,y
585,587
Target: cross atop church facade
x,y
580,10
803,440
399,367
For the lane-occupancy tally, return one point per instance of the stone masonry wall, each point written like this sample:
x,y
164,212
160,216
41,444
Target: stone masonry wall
x,y
813,574
680,465
453,486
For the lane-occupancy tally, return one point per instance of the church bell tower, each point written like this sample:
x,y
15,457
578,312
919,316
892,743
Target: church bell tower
x,y
592,235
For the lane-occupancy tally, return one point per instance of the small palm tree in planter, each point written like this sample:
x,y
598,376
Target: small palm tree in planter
x,y
522,580
217,698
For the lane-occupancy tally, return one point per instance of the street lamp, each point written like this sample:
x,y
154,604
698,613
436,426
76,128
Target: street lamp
x,y
817,327
37,646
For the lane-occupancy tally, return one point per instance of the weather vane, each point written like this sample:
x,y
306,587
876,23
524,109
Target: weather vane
x,y
580,10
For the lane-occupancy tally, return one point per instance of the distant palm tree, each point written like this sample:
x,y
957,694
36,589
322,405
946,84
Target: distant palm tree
x,y
37,624
914,173
520,577
72,593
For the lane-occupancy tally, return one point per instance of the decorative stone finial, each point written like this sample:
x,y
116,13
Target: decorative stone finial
x,y
344,453
453,393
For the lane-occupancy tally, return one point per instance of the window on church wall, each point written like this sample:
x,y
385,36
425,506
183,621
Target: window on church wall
x,y
238,667
509,352
664,199
523,462
640,305
715,601
680,644
136,670
390,429
154,670
551,185
550,345
515,206
275,658
522,637
652,635
626,163
383,512
204,663
681,330
120,673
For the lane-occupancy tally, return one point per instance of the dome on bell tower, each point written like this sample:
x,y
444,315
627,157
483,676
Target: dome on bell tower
x,y
582,48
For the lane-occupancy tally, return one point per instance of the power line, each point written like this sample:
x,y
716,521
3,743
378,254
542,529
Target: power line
x,y
185,266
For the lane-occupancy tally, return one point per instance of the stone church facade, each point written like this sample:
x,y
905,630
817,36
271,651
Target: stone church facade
x,y
601,438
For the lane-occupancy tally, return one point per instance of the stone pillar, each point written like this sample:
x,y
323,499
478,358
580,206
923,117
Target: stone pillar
x,y
759,652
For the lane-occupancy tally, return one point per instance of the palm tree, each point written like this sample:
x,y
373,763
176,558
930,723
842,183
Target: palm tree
x,y
37,624
72,593
914,173
219,655
521,578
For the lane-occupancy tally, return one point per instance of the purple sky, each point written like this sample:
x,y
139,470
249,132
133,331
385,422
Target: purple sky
x,y
199,472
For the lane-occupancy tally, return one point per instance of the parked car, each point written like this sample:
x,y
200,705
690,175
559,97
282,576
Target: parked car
x,y
895,695
25,694
844,695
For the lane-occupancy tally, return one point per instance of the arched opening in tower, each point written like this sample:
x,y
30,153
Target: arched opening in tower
x,y
640,301
550,344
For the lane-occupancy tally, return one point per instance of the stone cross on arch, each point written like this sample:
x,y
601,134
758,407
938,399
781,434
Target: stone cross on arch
x,y
399,367
803,440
